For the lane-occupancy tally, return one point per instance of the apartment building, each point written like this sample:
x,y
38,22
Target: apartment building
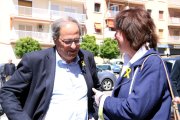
x,y
21,18
165,13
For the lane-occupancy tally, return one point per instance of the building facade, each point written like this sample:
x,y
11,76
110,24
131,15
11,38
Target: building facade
x,y
21,18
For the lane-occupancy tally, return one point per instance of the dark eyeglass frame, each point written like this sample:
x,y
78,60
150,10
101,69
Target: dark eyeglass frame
x,y
69,42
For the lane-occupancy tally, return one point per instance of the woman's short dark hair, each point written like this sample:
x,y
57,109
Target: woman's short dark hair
x,y
59,23
138,27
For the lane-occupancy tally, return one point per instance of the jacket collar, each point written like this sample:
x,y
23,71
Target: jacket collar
x,y
82,61
139,62
133,66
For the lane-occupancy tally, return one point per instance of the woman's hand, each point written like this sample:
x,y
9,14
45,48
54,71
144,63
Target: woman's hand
x,y
176,100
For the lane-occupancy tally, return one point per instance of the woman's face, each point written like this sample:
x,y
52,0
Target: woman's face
x,y
122,41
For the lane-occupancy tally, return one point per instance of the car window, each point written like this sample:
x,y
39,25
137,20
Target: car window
x,y
104,67
98,69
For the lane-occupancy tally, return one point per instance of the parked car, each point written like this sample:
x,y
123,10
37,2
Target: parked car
x,y
116,68
106,78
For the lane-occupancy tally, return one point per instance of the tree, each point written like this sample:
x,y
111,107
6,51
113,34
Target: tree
x,y
109,49
89,43
25,45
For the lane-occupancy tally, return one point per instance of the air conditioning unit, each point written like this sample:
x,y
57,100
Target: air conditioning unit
x,y
40,27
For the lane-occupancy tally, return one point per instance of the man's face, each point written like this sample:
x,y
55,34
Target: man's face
x,y
68,44
10,61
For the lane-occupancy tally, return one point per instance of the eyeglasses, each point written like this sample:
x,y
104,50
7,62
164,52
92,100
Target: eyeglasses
x,y
70,41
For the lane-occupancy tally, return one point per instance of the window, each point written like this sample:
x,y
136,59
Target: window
x,y
24,31
176,34
97,7
161,14
55,7
97,27
25,8
83,30
70,9
160,33
114,7
25,27
25,3
110,23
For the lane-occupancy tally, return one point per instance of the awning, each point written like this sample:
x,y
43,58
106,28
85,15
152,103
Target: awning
x,y
110,23
97,26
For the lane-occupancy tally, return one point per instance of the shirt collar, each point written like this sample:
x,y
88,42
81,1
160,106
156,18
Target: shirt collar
x,y
136,56
60,60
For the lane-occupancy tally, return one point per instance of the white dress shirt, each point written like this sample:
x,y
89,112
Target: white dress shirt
x,y
69,97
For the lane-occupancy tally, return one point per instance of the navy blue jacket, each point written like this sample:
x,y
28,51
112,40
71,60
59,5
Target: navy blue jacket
x,y
26,96
150,97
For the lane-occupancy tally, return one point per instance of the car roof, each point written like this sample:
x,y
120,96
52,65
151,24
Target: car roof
x,y
171,58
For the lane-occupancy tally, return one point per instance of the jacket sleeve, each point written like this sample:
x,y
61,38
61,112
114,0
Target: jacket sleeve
x,y
147,91
175,77
15,90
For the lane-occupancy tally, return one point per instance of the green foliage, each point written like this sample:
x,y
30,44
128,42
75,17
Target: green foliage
x,y
89,43
109,49
25,45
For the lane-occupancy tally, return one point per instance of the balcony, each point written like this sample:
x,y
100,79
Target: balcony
x,y
136,1
78,16
41,37
174,4
45,14
174,21
78,1
174,39
129,1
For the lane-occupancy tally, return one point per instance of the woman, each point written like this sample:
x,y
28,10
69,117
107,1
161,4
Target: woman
x,y
140,93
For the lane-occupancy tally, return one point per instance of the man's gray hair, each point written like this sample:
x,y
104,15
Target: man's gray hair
x,y
59,23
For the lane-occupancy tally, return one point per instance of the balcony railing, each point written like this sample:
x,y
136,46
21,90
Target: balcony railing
x,y
136,0
79,1
174,20
39,36
174,2
111,13
130,1
174,38
46,13
80,17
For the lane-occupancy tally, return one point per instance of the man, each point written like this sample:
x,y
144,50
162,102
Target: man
x,y
54,83
9,69
175,77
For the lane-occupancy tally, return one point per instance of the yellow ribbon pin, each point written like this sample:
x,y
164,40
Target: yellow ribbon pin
x,y
128,71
